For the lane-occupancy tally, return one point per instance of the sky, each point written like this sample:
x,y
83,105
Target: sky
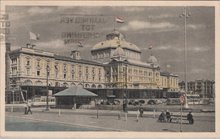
x,y
145,26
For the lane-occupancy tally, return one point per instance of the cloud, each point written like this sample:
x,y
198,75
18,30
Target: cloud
x,y
161,16
198,49
195,26
179,49
40,10
52,44
167,47
139,25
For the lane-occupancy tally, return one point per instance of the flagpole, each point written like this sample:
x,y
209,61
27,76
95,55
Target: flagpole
x,y
114,23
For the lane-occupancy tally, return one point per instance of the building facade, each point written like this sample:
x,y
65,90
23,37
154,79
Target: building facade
x,y
205,88
115,69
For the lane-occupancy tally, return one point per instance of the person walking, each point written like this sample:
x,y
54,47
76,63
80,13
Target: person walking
x,y
162,117
141,110
125,108
190,118
25,108
29,107
168,116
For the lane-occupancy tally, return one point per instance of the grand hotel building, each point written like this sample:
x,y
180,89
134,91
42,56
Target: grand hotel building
x,y
115,69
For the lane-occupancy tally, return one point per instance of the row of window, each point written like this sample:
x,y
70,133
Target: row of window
x,y
135,72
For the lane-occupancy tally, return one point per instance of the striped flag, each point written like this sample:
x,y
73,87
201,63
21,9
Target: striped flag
x,y
80,44
119,20
34,36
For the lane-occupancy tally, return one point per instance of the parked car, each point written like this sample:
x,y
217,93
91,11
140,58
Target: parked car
x,y
141,101
152,102
136,102
116,102
131,102
159,101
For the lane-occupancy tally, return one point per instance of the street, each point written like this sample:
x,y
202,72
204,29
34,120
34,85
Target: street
x,y
86,120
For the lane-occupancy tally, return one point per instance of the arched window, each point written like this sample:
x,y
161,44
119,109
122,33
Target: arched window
x,y
99,86
27,82
93,86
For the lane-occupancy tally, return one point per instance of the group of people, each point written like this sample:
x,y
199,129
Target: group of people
x,y
166,117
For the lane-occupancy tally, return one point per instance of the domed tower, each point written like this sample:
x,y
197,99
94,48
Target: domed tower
x,y
104,51
153,61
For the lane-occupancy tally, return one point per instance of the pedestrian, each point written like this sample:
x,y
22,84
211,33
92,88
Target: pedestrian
x,y
25,108
141,110
125,105
162,117
29,107
168,116
125,108
190,118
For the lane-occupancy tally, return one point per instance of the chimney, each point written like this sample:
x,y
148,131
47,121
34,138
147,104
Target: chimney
x,y
75,54
8,47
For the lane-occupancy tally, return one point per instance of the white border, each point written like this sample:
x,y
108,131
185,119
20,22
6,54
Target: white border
x,y
113,134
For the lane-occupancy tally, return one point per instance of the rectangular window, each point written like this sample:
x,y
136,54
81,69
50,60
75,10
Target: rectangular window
x,y
64,75
64,68
14,71
72,71
38,73
80,69
38,63
72,75
100,74
28,62
14,61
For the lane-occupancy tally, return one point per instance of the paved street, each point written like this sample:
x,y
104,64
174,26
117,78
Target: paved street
x,y
86,120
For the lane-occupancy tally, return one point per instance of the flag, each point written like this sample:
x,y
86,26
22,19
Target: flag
x,y
79,44
34,36
150,47
119,20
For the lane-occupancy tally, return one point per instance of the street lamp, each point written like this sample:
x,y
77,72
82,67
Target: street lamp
x,y
13,99
186,15
47,69
12,108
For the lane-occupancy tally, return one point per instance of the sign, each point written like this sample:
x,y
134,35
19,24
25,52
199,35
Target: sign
x,y
182,99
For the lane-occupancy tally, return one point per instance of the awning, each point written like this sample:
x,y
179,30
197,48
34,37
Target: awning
x,y
75,91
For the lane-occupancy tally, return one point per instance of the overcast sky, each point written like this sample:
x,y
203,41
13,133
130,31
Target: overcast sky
x,y
160,27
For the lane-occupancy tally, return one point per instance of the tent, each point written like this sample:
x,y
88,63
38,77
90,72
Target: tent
x,y
74,96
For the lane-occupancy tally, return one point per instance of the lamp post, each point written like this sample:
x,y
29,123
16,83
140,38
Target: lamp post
x,y
12,108
47,105
185,15
13,98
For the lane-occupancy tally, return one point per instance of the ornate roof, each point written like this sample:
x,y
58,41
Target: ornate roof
x,y
113,40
